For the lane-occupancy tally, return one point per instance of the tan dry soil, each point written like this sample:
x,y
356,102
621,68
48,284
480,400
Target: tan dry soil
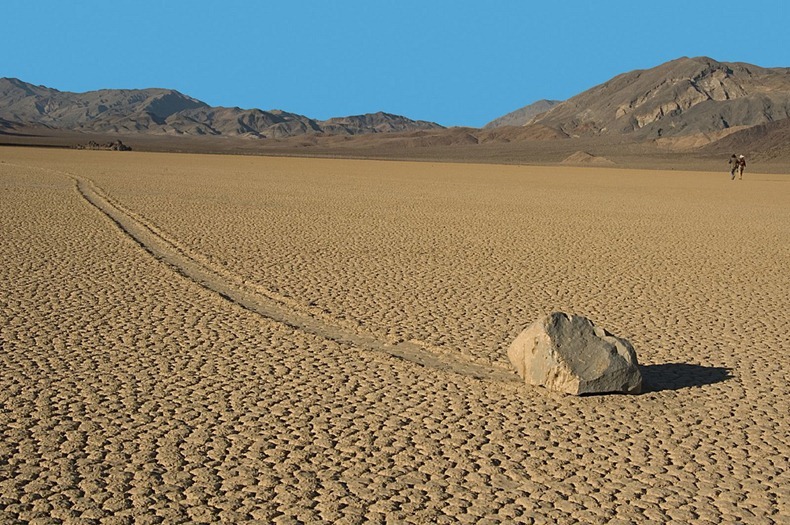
x,y
189,338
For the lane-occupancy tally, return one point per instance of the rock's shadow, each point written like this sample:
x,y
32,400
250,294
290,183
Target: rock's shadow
x,y
674,376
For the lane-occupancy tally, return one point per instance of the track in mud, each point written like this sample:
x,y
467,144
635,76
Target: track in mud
x,y
253,298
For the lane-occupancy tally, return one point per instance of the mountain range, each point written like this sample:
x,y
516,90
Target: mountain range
x,y
685,105
168,112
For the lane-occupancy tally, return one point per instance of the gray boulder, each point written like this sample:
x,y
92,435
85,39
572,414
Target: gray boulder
x,y
569,354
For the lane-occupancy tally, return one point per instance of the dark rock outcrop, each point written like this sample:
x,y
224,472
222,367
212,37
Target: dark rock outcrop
x,y
109,146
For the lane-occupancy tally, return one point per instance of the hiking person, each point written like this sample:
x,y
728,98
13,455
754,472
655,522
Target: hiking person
x,y
734,162
741,166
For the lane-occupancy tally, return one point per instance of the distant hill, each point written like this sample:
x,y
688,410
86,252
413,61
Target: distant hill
x,y
681,98
522,116
223,121
374,123
166,111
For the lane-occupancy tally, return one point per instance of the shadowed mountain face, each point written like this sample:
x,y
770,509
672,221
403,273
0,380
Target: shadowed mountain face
x,y
164,111
681,98
523,115
769,141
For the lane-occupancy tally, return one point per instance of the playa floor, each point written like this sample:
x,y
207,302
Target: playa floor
x,y
206,338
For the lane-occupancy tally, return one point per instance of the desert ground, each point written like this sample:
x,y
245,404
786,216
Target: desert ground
x,y
217,338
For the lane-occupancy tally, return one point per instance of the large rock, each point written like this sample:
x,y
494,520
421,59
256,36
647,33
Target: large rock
x,y
569,354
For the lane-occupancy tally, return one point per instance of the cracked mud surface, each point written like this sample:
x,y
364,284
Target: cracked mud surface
x,y
135,392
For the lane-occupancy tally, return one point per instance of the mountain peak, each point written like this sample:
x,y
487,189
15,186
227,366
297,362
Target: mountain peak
x,y
683,96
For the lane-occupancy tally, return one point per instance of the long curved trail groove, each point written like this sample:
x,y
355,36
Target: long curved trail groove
x,y
254,299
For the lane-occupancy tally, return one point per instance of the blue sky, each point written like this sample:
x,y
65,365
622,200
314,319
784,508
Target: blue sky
x,y
452,62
